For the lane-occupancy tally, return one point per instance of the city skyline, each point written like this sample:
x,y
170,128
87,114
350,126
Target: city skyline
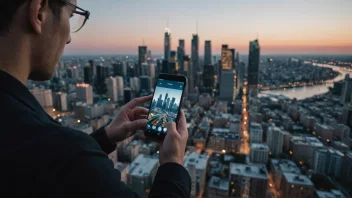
x,y
294,28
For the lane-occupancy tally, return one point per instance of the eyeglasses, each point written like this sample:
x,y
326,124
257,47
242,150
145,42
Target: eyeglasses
x,y
79,17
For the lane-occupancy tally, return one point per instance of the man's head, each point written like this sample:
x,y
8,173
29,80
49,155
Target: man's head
x,y
43,27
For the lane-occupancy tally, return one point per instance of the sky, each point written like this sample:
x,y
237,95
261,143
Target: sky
x,y
282,26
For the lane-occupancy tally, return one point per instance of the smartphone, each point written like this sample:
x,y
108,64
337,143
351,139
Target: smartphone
x,y
166,104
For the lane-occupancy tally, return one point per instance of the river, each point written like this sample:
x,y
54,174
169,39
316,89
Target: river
x,y
309,91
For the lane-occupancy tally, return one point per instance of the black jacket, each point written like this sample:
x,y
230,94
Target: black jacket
x,y
41,158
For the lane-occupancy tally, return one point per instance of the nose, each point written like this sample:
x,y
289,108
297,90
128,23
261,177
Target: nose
x,y
69,40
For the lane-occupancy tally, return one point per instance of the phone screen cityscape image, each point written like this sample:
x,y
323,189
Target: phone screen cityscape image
x,y
165,105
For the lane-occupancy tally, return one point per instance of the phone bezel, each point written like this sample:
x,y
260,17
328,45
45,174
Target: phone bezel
x,y
178,78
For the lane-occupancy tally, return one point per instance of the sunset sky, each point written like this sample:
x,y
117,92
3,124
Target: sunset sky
x,y
282,26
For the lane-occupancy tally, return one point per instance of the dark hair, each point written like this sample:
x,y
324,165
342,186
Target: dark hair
x,y
8,9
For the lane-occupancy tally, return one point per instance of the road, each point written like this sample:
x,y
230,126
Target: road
x,y
245,148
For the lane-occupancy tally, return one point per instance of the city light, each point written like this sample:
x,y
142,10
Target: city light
x,y
54,110
78,121
224,151
291,153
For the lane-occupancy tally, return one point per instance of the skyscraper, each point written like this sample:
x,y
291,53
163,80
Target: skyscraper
x,y
253,66
120,85
240,74
142,58
328,161
100,80
88,77
181,54
233,54
84,93
167,44
93,67
226,58
43,96
275,140
173,57
346,90
207,53
259,153
208,78
146,83
195,55
189,73
228,85
118,69
60,101
112,89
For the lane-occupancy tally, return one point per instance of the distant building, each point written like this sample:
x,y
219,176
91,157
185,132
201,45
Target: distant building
x,y
253,66
328,161
259,153
329,194
189,73
167,44
346,170
324,132
343,148
118,69
208,78
196,165
280,166
88,76
43,96
275,140
228,86
60,101
131,151
148,70
226,58
223,140
141,174
295,185
302,148
112,89
256,132
207,53
346,90
128,95
218,187
195,57
135,84
248,180
240,74
181,52
205,100
120,87
84,93
146,84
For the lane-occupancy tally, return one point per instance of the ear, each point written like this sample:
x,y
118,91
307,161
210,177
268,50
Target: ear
x,y
37,14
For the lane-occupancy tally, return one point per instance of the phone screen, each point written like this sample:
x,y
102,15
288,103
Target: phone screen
x,y
164,106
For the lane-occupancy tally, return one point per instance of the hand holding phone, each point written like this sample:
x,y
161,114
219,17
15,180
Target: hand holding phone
x,y
172,149
166,104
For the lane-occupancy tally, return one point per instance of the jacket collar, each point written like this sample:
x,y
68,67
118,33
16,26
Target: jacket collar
x,y
15,88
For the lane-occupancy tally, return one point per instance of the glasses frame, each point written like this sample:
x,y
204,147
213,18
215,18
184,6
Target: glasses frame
x,y
79,11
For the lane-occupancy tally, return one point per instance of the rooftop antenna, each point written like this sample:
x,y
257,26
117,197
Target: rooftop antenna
x,y
143,42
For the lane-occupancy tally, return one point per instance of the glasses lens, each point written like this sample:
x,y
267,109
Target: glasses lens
x,y
76,22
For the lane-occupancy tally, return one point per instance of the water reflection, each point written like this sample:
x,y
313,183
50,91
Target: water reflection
x,y
307,92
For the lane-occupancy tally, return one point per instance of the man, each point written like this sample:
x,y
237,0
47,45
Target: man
x,y
41,158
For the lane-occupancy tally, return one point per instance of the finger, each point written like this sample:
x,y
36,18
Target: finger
x,y
137,101
140,111
137,124
182,125
142,117
171,129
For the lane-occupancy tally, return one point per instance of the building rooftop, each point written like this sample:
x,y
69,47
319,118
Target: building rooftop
x,y
218,183
200,161
255,127
286,166
329,194
246,170
333,151
307,140
298,179
142,165
259,146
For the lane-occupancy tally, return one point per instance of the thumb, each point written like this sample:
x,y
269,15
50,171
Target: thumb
x,y
171,127
137,124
